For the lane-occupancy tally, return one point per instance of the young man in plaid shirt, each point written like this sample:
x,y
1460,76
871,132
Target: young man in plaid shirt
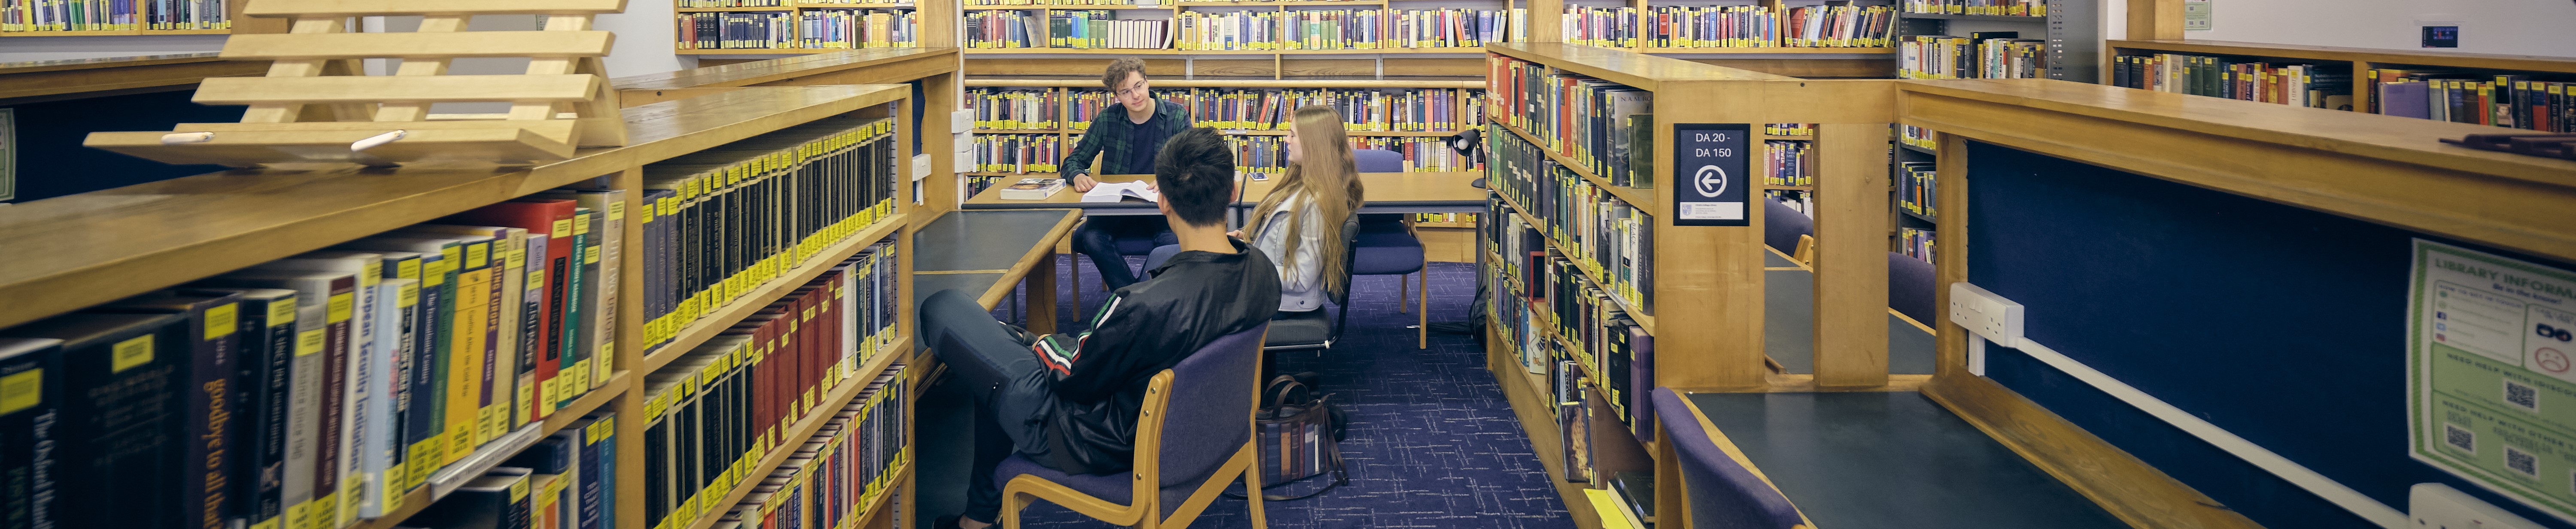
x,y
1123,138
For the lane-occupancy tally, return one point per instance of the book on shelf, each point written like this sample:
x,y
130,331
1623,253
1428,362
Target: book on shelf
x,y
111,15
1610,242
736,398
1017,153
1590,121
733,31
1454,218
1101,29
1574,423
1838,25
1003,29
1915,243
1917,189
1610,27
1788,163
103,457
1635,492
1984,55
1259,156
1017,109
2510,100
843,469
593,352
2028,8
733,217
1712,27
2307,85
1453,27
1033,189
1420,153
1321,29
1789,129
732,3
858,28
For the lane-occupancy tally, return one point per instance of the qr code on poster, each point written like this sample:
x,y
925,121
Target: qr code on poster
x,y
2521,396
2521,462
2460,438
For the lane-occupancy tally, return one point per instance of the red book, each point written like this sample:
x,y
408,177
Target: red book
x,y
554,219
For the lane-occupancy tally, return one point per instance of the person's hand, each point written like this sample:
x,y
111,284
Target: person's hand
x,y
1149,186
1082,183
1235,234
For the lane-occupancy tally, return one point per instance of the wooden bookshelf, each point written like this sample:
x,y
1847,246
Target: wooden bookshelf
x,y
723,317
38,81
421,497
805,427
937,26
115,32
2360,60
1068,135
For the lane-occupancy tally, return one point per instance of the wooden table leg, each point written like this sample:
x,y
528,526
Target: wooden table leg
x,y
1041,297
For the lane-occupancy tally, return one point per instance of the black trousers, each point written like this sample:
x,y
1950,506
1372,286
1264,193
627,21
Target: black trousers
x,y
1098,238
1011,386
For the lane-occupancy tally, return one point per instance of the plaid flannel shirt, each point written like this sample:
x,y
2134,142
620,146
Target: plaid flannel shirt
x,y
1113,134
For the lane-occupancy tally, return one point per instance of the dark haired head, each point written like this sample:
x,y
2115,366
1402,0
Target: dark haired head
x,y
1195,172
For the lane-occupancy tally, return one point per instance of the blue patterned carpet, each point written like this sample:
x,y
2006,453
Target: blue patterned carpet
x,y
1432,442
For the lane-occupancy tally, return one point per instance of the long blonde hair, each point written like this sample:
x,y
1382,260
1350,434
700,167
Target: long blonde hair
x,y
1330,180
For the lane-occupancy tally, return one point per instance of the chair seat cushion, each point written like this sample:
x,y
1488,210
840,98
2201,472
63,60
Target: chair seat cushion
x,y
1299,328
1112,487
1386,260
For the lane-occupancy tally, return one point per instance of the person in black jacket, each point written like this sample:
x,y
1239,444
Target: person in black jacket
x,y
1124,138
1069,401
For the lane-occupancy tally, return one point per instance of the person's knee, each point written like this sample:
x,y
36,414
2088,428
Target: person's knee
x,y
1089,238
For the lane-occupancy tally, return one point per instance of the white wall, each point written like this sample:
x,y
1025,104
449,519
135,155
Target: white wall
x,y
2519,27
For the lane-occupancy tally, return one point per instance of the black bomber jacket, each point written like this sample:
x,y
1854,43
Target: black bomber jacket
x,y
1141,330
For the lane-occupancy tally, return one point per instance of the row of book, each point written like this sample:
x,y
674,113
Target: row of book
x,y
1362,110
1988,55
1023,109
2019,8
565,481
1917,188
2307,85
1788,163
1003,29
976,184
2512,101
1320,29
1789,129
836,474
1590,121
1915,243
1804,201
728,219
1514,243
702,4
322,387
859,28
1446,218
1563,324
1610,241
717,410
1017,153
1823,26
1916,136
1457,28
1600,340
1259,156
735,31
100,15
1420,154
1100,29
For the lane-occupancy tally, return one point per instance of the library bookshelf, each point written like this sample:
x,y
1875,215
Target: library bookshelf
x,y
176,231
1707,288
935,26
2355,61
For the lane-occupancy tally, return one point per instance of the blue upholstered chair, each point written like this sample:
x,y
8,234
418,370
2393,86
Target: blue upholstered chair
x,y
1910,287
1387,245
1719,490
1193,438
1790,232
1298,331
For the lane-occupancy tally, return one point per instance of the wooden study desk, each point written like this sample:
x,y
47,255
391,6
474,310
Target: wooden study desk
x,y
1789,327
987,253
1887,459
1445,192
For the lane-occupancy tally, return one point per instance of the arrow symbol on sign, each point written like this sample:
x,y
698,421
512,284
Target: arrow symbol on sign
x,y
1709,181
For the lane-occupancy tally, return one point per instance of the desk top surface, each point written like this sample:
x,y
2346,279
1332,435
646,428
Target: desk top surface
x,y
1789,328
1891,459
986,240
772,70
1383,189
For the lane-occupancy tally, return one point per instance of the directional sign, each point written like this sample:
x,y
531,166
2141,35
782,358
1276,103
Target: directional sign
x,y
1711,174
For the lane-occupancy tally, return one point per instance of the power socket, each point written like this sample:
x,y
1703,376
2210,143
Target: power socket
x,y
2438,506
961,120
1986,314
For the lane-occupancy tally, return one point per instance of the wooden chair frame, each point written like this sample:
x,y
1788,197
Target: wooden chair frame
x,y
1143,510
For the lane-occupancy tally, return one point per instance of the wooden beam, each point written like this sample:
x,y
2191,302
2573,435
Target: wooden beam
x,y
1949,253
367,89
1851,254
419,44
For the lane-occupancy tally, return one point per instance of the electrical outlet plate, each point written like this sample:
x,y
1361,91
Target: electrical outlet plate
x,y
920,166
2438,506
961,120
1986,314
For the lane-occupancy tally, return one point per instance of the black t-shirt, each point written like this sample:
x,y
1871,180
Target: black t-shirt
x,y
1150,136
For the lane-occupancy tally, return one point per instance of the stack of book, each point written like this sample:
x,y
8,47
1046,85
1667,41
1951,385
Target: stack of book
x,y
2030,8
2307,85
1456,27
565,481
1713,27
2512,101
1608,27
731,31
1003,29
729,218
840,471
1101,29
1916,188
1591,121
1003,109
1838,26
1610,242
1788,163
1420,154
859,28
1017,153
319,388
719,408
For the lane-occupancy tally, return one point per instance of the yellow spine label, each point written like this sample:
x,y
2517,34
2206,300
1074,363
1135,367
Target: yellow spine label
x,y
516,258
407,269
132,352
590,255
371,273
616,210
580,224
518,490
21,391
222,320
478,255
299,515
308,342
563,228
281,311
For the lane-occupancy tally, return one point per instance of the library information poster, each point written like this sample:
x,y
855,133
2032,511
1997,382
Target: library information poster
x,y
1711,174
2492,372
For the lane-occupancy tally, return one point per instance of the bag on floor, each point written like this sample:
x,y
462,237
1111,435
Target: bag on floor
x,y
1299,436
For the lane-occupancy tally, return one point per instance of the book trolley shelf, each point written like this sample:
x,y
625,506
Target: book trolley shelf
x,y
78,251
1707,290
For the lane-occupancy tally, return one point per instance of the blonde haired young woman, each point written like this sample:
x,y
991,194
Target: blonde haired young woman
x,y
1300,223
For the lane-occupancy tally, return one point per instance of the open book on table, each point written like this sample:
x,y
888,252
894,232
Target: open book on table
x,y
1108,192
